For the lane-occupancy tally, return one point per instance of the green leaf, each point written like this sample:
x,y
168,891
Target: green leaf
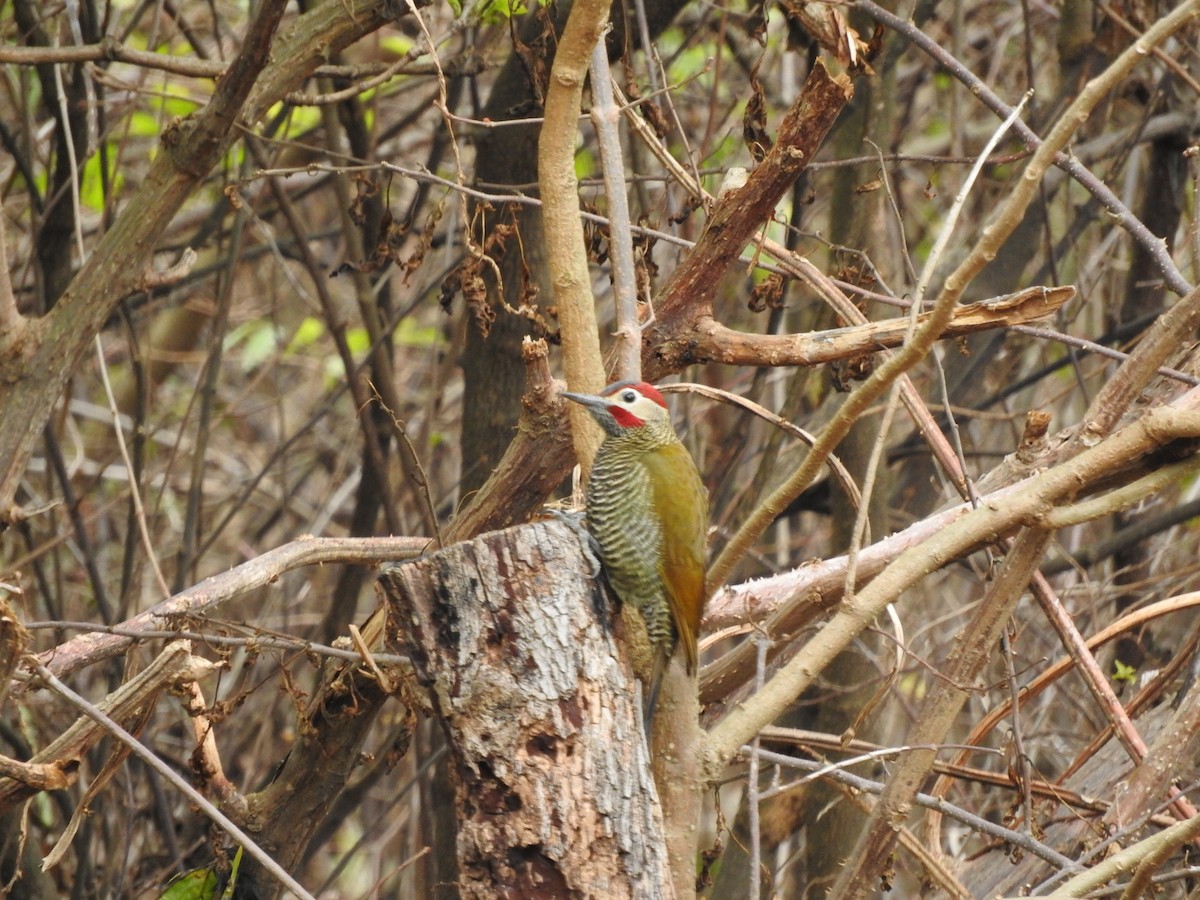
x,y
409,334
260,346
258,341
495,12
179,102
198,884
227,894
1122,672
310,331
358,340
143,124
300,120
91,186
400,44
585,165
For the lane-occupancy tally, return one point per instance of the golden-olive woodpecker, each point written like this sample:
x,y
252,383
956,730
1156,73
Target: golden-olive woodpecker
x,y
648,510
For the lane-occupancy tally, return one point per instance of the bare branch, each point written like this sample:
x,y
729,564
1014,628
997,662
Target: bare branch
x,y
566,254
213,591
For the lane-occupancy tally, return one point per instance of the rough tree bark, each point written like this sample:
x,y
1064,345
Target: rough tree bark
x,y
555,796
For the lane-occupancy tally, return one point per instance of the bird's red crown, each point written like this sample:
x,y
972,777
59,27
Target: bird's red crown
x,y
624,416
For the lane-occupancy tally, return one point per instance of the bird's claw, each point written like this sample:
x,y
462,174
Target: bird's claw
x,y
591,552
591,547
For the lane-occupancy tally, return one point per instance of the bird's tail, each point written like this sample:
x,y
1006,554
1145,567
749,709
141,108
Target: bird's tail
x,y
662,659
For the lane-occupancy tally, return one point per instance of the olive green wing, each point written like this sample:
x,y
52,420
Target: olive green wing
x,y
682,502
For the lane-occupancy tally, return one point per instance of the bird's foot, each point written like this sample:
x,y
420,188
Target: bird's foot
x,y
591,547
591,552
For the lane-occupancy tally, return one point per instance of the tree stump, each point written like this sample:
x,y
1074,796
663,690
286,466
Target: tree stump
x,y
555,796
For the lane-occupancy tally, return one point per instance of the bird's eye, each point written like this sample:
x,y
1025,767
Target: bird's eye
x,y
629,396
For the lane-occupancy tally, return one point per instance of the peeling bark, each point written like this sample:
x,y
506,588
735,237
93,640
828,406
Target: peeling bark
x,y
555,796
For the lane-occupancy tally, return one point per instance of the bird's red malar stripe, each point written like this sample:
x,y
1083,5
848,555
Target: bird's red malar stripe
x,y
625,418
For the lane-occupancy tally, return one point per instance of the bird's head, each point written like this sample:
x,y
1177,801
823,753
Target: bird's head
x,y
624,405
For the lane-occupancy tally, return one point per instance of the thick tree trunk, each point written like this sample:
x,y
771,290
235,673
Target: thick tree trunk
x,y
555,796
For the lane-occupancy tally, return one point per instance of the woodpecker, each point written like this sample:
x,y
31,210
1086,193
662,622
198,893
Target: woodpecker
x,y
648,511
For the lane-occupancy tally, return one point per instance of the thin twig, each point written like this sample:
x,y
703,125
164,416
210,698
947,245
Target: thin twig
x,y
10,317
135,494
217,589
978,823
1151,243
606,119
796,265
1019,765
977,527
752,792
260,640
566,253
844,479
1129,858
174,778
